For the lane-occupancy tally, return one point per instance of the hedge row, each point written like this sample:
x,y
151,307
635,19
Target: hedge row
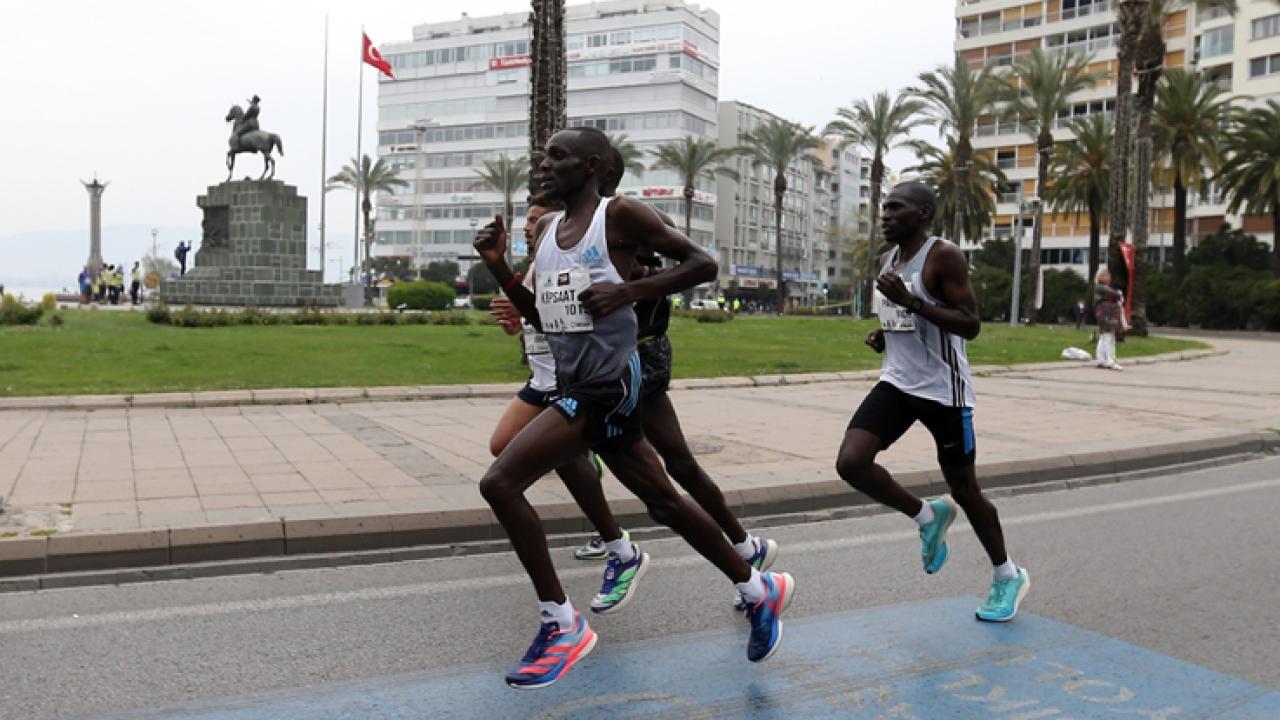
x,y
191,318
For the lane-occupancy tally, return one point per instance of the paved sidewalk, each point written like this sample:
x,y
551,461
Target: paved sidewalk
x,y
158,485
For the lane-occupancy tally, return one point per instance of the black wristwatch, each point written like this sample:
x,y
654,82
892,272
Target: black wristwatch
x,y
915,306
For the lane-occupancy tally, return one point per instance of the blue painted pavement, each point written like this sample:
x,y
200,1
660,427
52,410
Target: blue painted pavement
x,y
907,662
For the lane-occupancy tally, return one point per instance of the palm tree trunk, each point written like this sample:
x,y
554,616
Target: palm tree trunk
x,y
1275,236
873,244
508,207
1044,144
546,79
777,229
1179,229
1095,237
1145,107
964,150
1131,15
367,208
688,211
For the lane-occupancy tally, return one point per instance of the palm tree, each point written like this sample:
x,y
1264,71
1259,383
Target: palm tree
x,y
974,203
547,79
1039,86
505,176
1250,176
1188,115
632,156
365,177
776,144
955,97
1082,173
879,125
692,158
1148,53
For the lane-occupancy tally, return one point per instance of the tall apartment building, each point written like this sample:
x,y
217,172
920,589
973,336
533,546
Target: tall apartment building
x,y
745,219
647,69
1236,51
850,207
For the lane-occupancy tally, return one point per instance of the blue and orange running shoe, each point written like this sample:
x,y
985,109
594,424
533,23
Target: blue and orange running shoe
x,y
766,616
552,653
762,560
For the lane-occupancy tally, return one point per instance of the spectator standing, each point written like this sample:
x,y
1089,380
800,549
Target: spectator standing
x,y
86,285
1108,308
135,282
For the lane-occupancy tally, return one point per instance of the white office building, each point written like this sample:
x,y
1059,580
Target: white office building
x,y
647,69
745,220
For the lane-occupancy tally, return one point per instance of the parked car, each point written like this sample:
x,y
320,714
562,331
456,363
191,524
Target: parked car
x,y
707,304
462,302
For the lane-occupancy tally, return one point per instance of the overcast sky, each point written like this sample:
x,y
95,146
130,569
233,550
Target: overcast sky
x,y
136,90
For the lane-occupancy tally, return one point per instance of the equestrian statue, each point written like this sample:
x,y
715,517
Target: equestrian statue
x,y
247,138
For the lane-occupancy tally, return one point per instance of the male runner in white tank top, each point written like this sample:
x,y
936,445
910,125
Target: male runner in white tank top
x,y
584,307
927,311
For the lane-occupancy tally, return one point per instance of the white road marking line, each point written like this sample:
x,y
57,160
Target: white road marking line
x,y
487,583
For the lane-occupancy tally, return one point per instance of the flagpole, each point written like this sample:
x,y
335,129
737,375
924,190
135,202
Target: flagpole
x,y
359,150
324,143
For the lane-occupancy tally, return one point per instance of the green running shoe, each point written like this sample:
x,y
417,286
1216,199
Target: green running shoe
x,y
594,548
933,537
1002,603
620,583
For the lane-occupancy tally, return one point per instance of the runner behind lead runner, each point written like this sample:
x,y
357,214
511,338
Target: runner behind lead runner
x,y
661,424
584,307
927,311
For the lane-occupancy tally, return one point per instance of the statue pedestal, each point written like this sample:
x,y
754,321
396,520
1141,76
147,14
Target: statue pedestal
x,y
254,251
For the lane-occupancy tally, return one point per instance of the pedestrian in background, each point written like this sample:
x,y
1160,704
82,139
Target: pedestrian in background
x,y
86,285
135,282
1080,312
1108,308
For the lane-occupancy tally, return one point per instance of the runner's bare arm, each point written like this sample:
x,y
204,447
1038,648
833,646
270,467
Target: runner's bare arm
x,y
491,246
959,313
643,229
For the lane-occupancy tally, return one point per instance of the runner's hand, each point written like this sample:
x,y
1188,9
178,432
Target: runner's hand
x,y
605,298
895,291
491,242
506,314
875,340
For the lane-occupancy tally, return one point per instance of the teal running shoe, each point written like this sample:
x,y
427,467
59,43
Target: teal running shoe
x,y
933,537
1002,604
620,583
594,548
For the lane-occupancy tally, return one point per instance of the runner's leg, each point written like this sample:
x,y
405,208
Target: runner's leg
x,y
662,428
546,443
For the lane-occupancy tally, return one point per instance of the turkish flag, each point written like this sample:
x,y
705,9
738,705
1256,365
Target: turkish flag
x,y
374,58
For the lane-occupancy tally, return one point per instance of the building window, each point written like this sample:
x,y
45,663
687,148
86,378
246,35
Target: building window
x,y
1213,12
1218,41
1263,66
1266,27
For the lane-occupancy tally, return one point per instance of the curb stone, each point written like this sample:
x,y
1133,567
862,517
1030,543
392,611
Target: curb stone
x,y
28,563
308,396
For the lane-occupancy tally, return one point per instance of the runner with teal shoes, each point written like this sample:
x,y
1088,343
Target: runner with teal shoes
x,y
927,311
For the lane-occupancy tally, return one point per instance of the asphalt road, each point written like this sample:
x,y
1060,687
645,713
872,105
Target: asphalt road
x,y
1183,565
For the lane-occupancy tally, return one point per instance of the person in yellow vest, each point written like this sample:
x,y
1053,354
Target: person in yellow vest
x,y
720,300
737,305
135,282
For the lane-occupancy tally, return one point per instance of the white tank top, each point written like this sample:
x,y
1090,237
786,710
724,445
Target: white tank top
x,y
542,366
920,358
586,349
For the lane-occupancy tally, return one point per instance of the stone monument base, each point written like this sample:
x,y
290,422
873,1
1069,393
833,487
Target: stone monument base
x,y
253,252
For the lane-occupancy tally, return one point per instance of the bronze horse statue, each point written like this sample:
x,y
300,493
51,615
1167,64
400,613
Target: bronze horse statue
x,y
250,142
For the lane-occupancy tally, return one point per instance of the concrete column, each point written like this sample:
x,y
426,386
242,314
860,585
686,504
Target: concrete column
x,y
95,189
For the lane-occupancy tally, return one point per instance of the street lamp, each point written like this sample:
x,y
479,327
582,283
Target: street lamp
x,y
154,233
1027,205
474,222
338,260
420,131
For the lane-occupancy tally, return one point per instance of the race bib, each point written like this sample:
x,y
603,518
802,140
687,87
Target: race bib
x,y
558,304
894,318
535,343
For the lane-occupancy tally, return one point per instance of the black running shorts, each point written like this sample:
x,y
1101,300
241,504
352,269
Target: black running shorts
x,y
655,365
611,409
888,412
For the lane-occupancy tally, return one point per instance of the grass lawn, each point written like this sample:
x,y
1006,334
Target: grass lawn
x,y
121,353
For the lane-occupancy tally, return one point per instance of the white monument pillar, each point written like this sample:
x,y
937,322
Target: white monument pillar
x,y
95,189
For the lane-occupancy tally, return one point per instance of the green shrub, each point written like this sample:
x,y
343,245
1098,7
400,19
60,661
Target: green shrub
x,y
158,313
704,316
1166,304
1062,288
1266,304
48,302
1221,297
994,288
415,318
56,320
482,302
448,318
13,312
420,295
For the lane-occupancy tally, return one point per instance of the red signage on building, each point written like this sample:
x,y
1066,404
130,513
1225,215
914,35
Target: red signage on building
x,y
509,61
691,50
658,192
